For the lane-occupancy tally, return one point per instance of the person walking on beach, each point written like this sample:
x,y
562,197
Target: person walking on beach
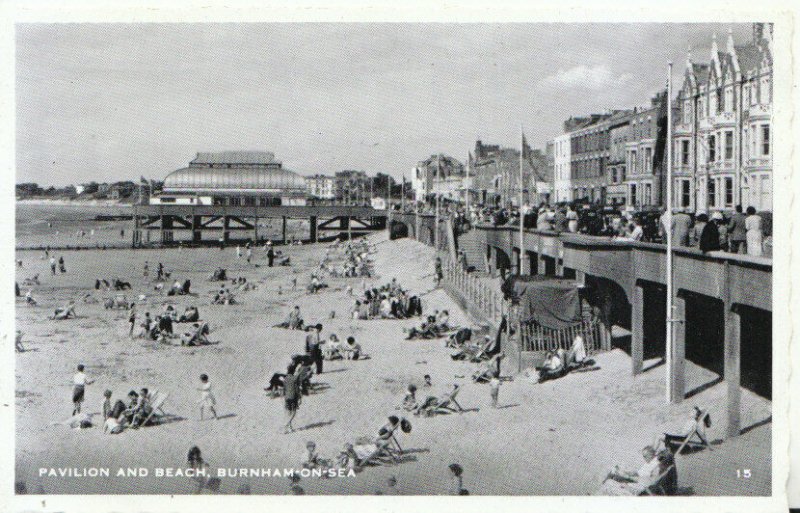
x,y
160,271
456,479
238,251
270,256
438,271
249,253
53,265
146,269
494,388
291,397
313,346
79,382
132,319
61,266
206,398
221,243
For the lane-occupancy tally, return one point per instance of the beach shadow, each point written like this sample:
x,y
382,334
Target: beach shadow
x,y
507,406
315,425
317,388
226,416
31,350
335,370
704,387
760,423
164,420
654,365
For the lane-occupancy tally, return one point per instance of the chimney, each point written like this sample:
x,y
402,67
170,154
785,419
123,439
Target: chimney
x,y
730,49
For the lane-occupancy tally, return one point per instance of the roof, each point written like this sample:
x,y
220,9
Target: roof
x,y
700,73
210,179
236,157
749,57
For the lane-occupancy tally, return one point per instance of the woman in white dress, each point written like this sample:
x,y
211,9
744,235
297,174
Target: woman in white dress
x,y
754,234
572,220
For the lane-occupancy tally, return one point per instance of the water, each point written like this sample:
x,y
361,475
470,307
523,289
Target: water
x,y
68,220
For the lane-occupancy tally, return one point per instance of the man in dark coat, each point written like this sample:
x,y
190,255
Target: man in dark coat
x,y
737,232
709,238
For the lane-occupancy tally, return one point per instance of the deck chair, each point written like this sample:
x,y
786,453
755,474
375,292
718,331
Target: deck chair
x,y
694,438
448,403
659,485
390,450
157,405
480,354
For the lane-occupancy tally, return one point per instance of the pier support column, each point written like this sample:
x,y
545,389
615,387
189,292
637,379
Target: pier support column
x,y
733,324
540,263
637,330
255,230
197,223
678,364
312,228
283,228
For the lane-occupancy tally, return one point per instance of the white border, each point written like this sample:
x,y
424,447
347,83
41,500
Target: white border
x,y
462,11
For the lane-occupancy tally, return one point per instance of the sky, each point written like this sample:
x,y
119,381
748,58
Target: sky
x,y
110,102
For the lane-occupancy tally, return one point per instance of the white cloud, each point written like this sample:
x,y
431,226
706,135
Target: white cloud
x,y
586,77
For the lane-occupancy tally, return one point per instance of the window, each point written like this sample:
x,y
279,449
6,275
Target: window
x,y
648,160
633,198
685,152
686,193
249,201
728,192
648,192
633,163
712,148
765,140
728,145
236,201
712,193
753,134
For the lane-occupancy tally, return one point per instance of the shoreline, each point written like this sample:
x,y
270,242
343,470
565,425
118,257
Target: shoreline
x,y
72,203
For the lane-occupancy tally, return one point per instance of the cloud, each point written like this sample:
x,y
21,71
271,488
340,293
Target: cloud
x,y
586,77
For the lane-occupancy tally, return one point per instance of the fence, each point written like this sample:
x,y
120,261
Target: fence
x,y
535,338
477,295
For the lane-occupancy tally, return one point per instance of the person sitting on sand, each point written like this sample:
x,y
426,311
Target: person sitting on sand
x,y
190,314
311,458
304,373
442,321
76,421
293,321
618,482
577,353
352,349
410,399
552,368
196,337
65,312
276,383
331,350
29,299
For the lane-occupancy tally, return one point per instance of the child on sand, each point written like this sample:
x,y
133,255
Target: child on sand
x,y
79,381
206,398
494,388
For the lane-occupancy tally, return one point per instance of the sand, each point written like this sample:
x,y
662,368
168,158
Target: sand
x,y
557,438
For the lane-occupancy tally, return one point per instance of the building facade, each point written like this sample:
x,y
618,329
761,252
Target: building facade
x,y
562,182
619,133
438,174
589,153
723,133
645,156
321,186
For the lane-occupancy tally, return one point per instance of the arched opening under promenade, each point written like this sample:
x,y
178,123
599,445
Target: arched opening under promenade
x,y
398,230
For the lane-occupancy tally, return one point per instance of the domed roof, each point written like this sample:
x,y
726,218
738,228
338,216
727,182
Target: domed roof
x,y
236,178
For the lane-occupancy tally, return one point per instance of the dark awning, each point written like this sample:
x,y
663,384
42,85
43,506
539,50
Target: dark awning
x,y
550,302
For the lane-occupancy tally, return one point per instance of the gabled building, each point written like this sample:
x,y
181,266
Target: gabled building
x,y
723,134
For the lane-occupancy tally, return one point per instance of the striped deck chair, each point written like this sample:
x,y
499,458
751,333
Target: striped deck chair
x,y
157,405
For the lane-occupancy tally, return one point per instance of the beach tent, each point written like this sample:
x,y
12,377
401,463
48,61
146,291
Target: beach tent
x,y
551,303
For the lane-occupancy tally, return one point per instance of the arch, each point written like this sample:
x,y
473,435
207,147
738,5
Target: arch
x,y
398,230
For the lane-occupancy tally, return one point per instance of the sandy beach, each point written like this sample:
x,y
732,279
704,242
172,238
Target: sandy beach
x,y
545,439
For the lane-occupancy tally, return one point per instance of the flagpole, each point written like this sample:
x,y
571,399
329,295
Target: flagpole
x,y
521,217
436,223
403,194
466,200
668,230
